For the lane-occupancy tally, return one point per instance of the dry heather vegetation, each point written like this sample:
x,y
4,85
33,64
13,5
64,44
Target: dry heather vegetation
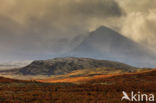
x,y
96,90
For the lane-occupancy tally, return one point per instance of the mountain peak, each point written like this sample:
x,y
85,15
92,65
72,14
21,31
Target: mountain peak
x,y
105,43
104,33
102,28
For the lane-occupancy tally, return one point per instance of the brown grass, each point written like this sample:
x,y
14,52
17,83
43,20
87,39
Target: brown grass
x,y
88,78
100,89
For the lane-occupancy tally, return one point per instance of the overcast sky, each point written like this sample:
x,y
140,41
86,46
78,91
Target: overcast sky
x,y
36,29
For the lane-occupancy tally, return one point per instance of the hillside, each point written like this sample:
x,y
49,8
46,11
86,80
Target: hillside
x,y
100,89
105,43
144,77
95,77
59,66
7,80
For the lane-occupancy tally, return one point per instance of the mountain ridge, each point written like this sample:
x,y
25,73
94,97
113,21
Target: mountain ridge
x,y
59,66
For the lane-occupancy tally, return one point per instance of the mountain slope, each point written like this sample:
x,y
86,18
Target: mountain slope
x,y
144,77
65,65
105,43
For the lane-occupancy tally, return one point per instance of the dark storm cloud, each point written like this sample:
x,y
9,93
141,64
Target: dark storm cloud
x,y
96,8
39,27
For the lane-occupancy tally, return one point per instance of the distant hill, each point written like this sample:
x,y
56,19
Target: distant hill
x,y
65,65
104,43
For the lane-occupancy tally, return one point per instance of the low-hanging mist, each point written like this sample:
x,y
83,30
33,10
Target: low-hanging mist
x,y
40,29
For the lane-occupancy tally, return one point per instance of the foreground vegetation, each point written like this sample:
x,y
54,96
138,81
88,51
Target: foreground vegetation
x,y
101,90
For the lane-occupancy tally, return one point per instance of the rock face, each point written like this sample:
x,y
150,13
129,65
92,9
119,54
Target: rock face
x,y
65,65
105,43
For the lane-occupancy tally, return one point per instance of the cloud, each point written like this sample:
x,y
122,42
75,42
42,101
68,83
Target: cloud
x,y
59,13
139,24
34,28
137,6
45,28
